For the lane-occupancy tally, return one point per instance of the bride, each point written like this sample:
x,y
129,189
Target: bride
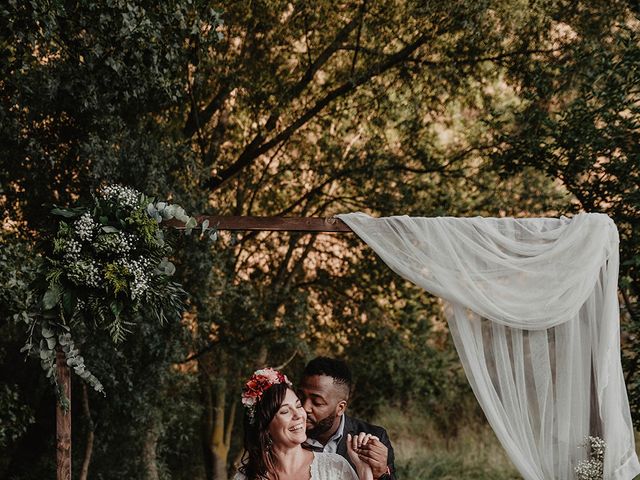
x,y
274,430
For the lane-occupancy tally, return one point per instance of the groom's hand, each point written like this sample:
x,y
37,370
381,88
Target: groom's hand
x,y
375,454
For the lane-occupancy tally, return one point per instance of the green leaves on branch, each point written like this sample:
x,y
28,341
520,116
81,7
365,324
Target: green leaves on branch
x,y
109,267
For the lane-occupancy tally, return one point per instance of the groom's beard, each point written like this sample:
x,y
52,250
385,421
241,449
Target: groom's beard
x,y
321,426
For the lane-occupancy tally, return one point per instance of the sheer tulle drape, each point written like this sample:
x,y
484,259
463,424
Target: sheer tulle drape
x,y
533,310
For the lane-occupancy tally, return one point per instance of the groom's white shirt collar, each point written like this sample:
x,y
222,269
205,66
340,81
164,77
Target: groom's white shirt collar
x,y
332,444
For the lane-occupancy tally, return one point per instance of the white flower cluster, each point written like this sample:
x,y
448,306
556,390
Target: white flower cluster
x,y
140,268
84,227
85,272
126,242
598,447
592,469
72,250
125,196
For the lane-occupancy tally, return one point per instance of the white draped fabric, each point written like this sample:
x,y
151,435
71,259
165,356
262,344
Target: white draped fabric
x,y
533,309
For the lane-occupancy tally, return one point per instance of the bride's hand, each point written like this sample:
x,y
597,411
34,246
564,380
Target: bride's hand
x,y
354,443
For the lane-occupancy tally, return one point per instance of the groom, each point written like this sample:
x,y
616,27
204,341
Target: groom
x,y
324,391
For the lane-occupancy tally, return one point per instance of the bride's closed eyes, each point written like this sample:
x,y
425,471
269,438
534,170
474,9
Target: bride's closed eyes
x,y
285,410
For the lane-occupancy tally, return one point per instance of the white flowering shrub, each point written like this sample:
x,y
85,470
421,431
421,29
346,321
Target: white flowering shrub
x,y
108,266
592,469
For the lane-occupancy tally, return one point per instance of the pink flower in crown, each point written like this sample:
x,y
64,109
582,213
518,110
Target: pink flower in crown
x,y
260,382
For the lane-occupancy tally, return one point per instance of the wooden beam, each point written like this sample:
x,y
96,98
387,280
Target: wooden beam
x,y
270,224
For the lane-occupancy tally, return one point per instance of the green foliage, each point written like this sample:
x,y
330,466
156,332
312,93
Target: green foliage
x,y
15,416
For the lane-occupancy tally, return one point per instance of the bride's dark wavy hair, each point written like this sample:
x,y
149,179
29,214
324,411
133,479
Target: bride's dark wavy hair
x,y
258,459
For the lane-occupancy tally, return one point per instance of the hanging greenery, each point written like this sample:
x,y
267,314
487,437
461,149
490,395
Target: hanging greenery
x,y
108,267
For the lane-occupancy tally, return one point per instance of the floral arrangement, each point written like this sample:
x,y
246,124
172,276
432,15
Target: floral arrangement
x,y
592,469
108,264
260,382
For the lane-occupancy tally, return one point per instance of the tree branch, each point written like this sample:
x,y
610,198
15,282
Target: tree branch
x,y
257,147
197,118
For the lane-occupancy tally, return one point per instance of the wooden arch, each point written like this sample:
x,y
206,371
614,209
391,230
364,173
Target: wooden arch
x,y
227,223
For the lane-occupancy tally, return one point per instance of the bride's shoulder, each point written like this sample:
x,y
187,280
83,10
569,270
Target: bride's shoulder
x,y
239,476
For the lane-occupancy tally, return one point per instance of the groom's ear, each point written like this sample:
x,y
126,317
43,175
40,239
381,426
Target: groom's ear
x,y
341,407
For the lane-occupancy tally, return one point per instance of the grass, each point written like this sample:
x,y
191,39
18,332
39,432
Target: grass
x,y
425,450
469,450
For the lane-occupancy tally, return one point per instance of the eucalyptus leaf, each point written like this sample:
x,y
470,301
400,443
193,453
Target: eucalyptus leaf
x,y
51,297
109,229
169,269
47,332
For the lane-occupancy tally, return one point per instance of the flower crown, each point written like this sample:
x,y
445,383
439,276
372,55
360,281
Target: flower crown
x,y
260,382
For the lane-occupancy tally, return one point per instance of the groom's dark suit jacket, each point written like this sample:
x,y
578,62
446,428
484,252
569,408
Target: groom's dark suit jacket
x,y
355,426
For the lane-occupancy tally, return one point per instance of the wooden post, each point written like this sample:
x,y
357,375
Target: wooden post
x,y
63,419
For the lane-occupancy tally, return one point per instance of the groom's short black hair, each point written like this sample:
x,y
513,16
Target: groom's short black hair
x,y
331,367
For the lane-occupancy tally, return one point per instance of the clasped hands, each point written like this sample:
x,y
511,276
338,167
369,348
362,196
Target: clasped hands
x,y
366,449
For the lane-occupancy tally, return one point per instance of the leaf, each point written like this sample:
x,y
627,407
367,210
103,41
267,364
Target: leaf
x,y
169,269
51,297
69,302
51,343
205,225
116,308
109,229
191,223
64,213
47,332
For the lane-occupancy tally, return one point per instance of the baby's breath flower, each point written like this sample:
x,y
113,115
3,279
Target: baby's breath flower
x,y
125,196
592,469
127,242
84,272
84,227
140,268
72,249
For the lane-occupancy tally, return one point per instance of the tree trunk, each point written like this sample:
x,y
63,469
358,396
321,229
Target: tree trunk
x,y
206,419
149,451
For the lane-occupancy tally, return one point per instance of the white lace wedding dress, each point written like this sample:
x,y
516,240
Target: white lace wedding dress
x,y
325,466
